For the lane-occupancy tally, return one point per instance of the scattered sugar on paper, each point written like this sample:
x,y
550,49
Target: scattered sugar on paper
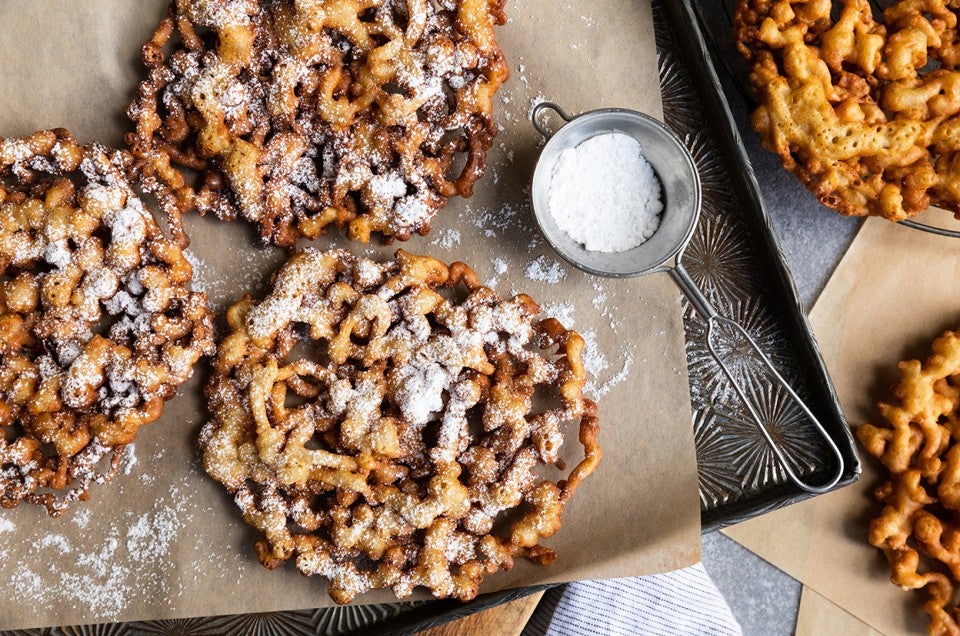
x,y
600,298
596,363
545,270
81,518
199,281
508,154
522,70
601,302
561,310
617,378
604,193
28,584
448,239
149,538
534,102
106,598
499,220
57,541
128,460
246,272
500,267
6,525
97,578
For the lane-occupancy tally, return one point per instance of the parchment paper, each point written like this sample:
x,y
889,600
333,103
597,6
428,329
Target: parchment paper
x,y
895,290
819,616
163,540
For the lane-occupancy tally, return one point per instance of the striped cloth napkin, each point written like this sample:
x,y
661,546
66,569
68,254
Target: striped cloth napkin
x,y
682,602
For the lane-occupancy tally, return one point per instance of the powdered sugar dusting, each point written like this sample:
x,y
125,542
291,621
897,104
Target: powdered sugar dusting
x,y
500,267
534,102
247,265
561,310
128,460
150,536
493,222
617,377
594,361
102,573
597,365
81,518
545,270
448,239
600,298
56,541
199,281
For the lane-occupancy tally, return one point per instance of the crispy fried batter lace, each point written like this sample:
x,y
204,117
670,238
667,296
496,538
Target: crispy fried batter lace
x,y
919,527
385,436
97,326
852,105
299,114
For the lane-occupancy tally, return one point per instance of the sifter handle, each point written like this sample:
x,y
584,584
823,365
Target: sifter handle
x,y
537,115
706,309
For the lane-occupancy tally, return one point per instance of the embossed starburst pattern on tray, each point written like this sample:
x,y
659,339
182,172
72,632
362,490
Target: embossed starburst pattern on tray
x,y
734,459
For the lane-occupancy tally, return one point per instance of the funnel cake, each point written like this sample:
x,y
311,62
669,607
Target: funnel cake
x,y
299,114
97,325
394,425
919,526
865,112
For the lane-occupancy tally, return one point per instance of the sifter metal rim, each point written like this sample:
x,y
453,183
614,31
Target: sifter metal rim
x,y
674,168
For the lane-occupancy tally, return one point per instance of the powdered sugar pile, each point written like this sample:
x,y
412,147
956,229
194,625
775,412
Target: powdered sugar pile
x,y
604,193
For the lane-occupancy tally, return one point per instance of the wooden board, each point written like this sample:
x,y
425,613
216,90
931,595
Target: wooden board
x,y
508,619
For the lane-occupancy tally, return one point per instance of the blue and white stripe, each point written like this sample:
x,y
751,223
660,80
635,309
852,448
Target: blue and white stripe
x,y
684,602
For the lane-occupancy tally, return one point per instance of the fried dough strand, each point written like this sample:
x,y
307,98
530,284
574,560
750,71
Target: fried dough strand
x,y
97,325
919,526
865,112
299,114
384,425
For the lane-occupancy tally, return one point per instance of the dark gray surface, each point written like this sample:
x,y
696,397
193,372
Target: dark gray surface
x,y
814,239
762,598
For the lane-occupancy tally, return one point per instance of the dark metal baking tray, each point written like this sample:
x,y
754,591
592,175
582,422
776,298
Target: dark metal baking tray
x,y
735,258
735,252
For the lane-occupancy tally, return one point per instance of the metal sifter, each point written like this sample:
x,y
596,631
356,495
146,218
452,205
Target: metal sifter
x,y
680,183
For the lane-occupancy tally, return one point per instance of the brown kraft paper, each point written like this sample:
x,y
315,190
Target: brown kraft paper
x,y
819,616
894,292
165,541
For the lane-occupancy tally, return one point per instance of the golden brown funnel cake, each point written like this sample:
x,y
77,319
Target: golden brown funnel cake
x,y
97,325
395,425
298,114
863,110
919,527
